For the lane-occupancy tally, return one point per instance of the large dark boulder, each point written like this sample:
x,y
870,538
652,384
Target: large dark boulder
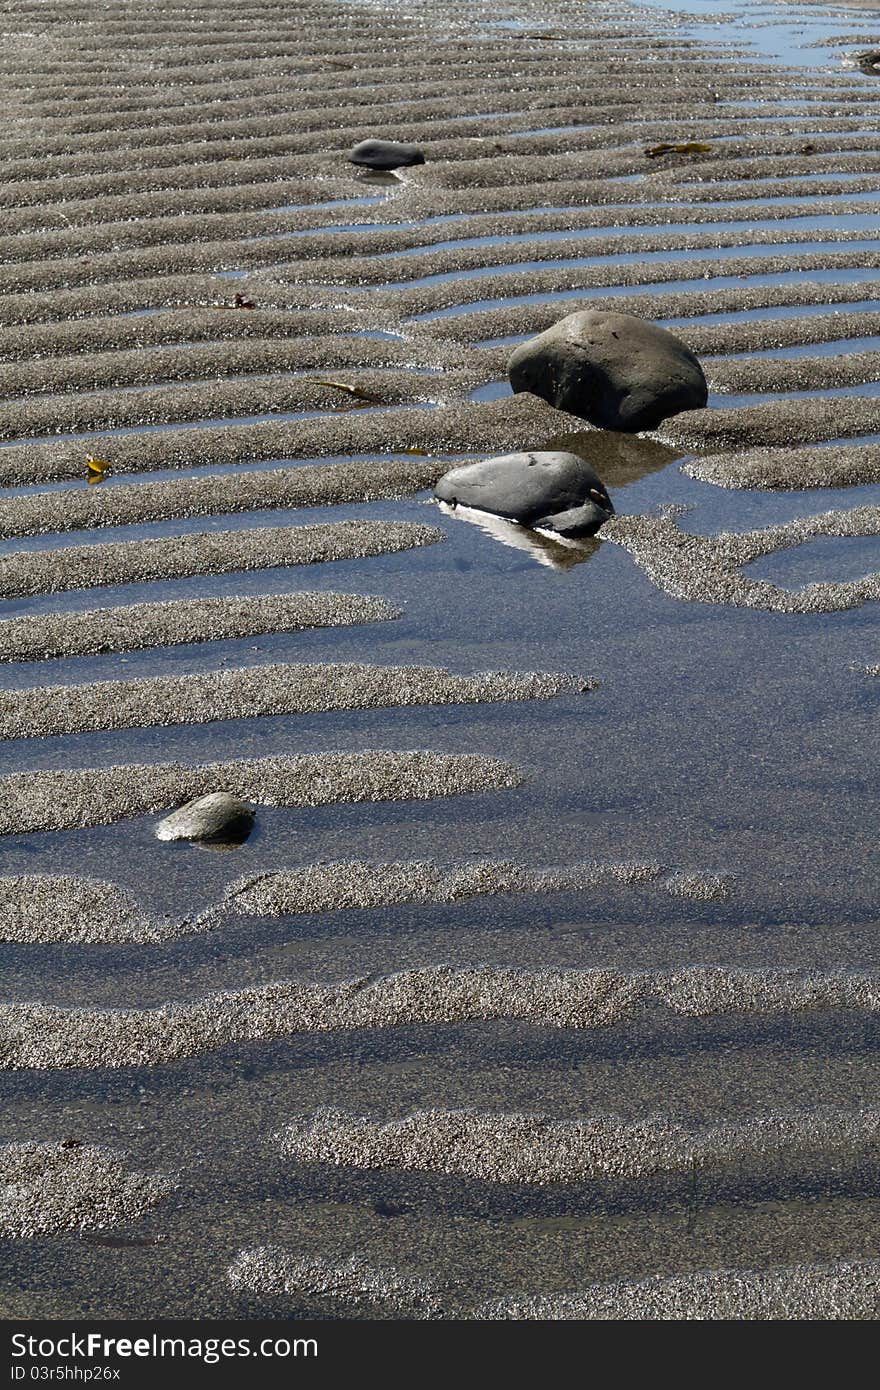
x,y
385,154
615,370
554,491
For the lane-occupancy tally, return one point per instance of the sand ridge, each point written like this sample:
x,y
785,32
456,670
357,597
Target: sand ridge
x,y
51,907
133,627
250,691
538,1149
709,569
26,572
44,1036
71,1186
99,796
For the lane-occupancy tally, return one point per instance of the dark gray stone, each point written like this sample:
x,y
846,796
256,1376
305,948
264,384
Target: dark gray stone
x,y
218,817
868,63
385,154
557,491
615,370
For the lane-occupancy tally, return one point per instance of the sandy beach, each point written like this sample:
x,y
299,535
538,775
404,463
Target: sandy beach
x,y
547,983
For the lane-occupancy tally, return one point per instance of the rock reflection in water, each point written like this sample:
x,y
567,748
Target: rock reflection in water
x,y
554,551
383,176
619,459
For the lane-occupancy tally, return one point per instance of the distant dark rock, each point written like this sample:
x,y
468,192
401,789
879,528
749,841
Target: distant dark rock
x,y
385,154
615,370
217,818
556,491
868,63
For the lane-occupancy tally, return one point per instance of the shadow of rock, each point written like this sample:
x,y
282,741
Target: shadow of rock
x,y
221,846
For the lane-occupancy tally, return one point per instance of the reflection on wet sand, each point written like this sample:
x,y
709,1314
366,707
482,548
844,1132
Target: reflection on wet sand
x,y
554,551
619,459
383,176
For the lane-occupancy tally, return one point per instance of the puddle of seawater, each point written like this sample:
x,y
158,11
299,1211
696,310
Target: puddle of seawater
x,y
545,547
492,391
827,559
836,347
846,275
814,222
662,256
279,416
805,38
724,400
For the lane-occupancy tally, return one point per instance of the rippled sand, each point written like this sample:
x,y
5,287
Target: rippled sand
x,y
544,993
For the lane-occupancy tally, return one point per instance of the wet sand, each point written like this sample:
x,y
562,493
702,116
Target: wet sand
x,y
590,980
